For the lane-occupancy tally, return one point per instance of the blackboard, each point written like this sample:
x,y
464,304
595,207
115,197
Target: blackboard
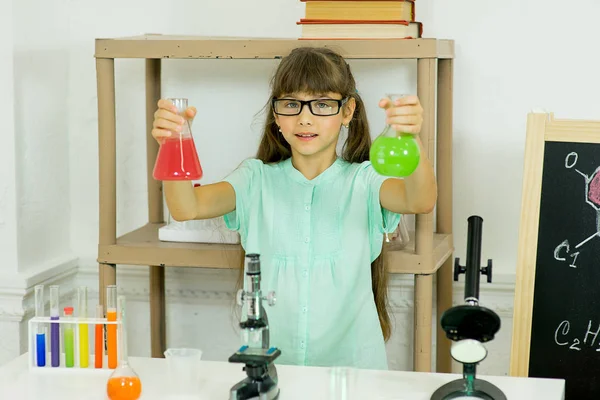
x,y
556,332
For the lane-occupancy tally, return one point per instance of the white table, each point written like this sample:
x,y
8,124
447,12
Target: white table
x,y
17,382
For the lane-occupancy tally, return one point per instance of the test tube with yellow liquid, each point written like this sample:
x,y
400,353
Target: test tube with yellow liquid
x,y
84,337
111,329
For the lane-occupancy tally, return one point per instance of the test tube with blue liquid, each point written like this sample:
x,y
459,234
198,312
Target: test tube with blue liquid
x,y
54,327
41,328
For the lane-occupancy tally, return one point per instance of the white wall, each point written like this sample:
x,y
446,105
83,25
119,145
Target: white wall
x,y
511,57
8,196
49,185
41,56
500,74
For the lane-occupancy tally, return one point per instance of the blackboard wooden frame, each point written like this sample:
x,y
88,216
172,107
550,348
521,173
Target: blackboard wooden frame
x,y
541,128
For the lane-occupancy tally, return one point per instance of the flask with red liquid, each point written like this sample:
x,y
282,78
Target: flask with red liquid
x,y
177,156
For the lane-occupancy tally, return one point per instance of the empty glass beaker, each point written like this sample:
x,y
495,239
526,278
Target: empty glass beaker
x,y
183,372
394,153
177,156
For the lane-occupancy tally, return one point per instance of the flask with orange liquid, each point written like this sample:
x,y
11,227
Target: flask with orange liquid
x,y
177,156
123,383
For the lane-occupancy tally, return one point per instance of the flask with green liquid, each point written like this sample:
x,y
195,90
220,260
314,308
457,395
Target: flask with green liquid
x,y
395,153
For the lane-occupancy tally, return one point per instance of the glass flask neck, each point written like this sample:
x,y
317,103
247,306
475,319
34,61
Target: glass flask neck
x,y
181,104
388,130
395,96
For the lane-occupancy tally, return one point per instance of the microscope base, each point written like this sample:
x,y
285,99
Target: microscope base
x,y
249,389
481,390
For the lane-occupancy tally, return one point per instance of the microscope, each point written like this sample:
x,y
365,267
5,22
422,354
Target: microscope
x,y
470,325
257,354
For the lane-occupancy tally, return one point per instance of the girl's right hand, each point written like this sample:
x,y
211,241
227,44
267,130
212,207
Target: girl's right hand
x,y
167,120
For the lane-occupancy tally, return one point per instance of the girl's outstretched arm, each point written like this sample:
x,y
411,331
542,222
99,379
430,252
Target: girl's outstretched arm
x,y
186,202
415,194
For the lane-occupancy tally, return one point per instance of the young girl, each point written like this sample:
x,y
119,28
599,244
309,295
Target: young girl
x,y
316,218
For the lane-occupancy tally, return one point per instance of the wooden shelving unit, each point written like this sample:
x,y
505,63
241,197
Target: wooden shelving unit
x,y
431,249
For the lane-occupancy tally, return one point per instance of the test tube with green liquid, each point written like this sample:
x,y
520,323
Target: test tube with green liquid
x,y
69,339
84,337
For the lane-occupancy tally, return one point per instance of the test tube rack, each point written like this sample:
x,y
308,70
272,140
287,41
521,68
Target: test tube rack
x,y
35,322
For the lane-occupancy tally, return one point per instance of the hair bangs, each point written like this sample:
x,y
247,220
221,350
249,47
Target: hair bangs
x,y
309,72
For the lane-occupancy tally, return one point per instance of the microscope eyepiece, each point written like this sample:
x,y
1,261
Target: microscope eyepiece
x,y
252,264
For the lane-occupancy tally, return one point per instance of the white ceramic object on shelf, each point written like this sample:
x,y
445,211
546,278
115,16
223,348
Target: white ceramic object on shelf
x,y
198,231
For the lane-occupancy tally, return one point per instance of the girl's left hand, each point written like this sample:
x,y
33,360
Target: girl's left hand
x,y
405,115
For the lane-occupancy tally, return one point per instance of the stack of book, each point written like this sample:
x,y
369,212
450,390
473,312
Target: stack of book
x,y
360,19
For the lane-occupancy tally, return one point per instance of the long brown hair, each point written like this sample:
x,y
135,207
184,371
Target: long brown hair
x,y
316,71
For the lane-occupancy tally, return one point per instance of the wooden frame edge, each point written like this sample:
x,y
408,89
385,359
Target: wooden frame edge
x,y
527,248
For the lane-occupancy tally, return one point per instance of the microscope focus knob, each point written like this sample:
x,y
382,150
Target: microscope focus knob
x,y
240,297
271,299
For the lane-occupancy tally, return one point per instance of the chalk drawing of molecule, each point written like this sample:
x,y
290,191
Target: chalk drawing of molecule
x,y
592,197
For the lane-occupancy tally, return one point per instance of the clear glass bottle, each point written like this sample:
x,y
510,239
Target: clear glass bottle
x,y
177,156
400,238
394,153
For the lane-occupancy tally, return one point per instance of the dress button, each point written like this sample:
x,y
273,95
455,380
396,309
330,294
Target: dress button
x,y
305,272
304,309
307,207
301,345
306,240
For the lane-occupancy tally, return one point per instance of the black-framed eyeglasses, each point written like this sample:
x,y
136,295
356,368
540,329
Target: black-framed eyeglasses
x,y
318,107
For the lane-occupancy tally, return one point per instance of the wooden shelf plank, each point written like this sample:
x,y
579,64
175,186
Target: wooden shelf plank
x,y
405,261
142,247
200,47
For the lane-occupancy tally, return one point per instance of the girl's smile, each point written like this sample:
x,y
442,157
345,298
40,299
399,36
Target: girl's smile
x,y
306,136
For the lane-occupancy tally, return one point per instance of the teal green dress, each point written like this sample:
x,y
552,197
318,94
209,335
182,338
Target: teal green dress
x,y
316,239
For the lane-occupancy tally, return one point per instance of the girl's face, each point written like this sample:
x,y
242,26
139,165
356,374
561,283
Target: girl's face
x,y
311,135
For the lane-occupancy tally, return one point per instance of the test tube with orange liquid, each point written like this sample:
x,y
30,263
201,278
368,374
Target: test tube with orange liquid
x,y
99,339
111,329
